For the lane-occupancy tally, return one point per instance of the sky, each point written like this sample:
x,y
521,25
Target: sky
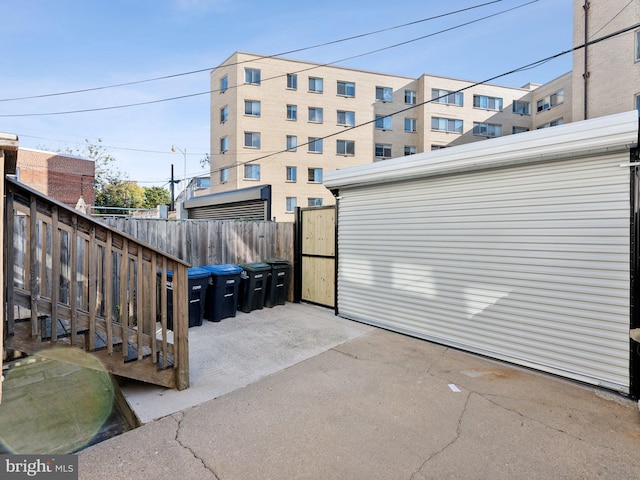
x,y
52,47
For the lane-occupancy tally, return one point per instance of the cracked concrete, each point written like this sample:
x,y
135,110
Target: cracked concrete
x,y
179,417
380,407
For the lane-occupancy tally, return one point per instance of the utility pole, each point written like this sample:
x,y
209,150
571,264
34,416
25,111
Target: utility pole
x,y
173,194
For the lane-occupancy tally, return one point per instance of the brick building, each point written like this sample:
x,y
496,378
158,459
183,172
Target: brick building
x,y
64,177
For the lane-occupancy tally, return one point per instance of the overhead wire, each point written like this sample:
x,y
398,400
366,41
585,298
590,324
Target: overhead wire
x,y
208,92
528,66
411,107
289,52
611,19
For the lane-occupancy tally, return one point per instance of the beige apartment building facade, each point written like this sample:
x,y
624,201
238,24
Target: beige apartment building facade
x,y
285,123
609,81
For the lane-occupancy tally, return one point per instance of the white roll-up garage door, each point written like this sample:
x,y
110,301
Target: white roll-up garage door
x,y
527,263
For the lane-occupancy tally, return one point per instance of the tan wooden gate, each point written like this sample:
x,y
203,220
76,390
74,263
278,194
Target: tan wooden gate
x,y
316,255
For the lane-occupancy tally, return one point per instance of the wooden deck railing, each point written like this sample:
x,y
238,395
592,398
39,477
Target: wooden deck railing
x,y
90,286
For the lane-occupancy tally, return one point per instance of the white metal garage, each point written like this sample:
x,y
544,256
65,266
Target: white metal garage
x,y
517,248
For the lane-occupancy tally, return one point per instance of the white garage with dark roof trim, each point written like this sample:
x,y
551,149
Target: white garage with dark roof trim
x,y
521,248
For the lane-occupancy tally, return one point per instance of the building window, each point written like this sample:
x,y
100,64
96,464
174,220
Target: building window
x,y
252,108
292,143
252,139
292,112
437,147
383,150
523,108
638,46
347,119
224,175
315,84
345,147
224,144
292,174
384,94
314,202
515,130
446,125
554,123
291,204
551,101
292,81
638,103
315,175
346,89
252,75
410,150
410,125
447,97
410,97
315,145
224,114
252,172
224,84
488,103
487,129
315,115
203,182
384,122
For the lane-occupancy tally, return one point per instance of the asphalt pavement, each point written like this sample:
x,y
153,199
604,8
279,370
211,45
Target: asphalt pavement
x,y
322,397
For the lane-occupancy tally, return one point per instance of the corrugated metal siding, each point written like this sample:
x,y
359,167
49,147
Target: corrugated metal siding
x,y
255,210
528,264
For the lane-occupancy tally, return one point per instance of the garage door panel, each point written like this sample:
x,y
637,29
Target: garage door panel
x,y
532,272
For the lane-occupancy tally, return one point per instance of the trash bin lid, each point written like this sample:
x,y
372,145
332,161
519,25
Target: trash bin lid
x,y
169,274
222,269
197,272
255,266
277,261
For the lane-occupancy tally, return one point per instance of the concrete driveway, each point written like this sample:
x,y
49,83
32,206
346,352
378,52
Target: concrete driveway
x,y
376,405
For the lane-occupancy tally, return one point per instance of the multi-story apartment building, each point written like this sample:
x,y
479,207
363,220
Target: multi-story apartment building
x,y
609,80
285,123
551,103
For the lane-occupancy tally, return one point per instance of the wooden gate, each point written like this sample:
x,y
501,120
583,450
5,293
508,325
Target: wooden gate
x,y
316,255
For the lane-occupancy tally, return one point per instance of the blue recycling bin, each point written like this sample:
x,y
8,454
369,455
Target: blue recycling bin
x,y
221,300
198,280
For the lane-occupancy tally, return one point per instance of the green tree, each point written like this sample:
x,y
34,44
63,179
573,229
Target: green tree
x,y
120,194
154,196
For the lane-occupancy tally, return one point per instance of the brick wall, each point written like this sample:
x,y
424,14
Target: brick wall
x,y
63,177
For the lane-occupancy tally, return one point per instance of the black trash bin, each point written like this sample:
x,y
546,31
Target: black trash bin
x,y
198,280
222,292
278,284
253,286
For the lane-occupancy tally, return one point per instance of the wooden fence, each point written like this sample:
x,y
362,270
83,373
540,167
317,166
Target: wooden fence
x,y
90,286
212,242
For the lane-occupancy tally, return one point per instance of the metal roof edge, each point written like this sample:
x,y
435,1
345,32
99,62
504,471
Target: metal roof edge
x,y
603,134
259,192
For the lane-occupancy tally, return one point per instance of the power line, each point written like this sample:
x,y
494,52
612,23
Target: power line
x,y
332,42
141,150
612,19
208,92
510,72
